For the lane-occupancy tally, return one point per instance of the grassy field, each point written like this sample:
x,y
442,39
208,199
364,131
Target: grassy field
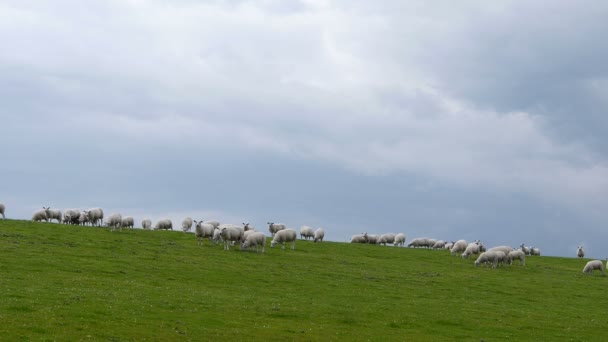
x,y
79,283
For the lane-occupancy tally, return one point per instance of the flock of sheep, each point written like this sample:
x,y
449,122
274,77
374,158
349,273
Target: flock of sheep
x,y
247,236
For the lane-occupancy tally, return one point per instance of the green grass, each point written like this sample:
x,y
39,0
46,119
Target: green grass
x,y
80,283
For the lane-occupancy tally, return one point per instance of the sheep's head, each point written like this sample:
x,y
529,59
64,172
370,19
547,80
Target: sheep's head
x,y
273,243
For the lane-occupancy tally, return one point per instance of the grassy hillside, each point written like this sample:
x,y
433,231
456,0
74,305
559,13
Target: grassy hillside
x,y
72,283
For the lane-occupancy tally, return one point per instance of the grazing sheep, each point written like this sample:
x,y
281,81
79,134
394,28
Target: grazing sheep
x,y
491,257
2,208
71,216
230,234
128,222
95,216
580,252
255,239
306,232
399,240
83,219
40,215
187,224
504,249
359,238
449,245
319,235
164,224
525,249
472,248
459,247
386,238
146,224
534,251
53,214
420,242
114,221
594,265
202,231
439,244
284,236
275,227
373,239
517,254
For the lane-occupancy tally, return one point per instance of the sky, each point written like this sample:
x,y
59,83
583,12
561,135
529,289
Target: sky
x,y
451,120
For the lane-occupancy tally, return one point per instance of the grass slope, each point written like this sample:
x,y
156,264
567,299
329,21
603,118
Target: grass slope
x,y
74,283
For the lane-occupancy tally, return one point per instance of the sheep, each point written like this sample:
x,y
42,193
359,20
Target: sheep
x,y
580,252
359,238
40,215
319,235
459,247
306,232
525,249
214,223
386,238
472,248
504,249
449,245
419,242
373,239
275,227
187,224
229,234
217,236
247,227
534,251
439,244
70,216
164,224
517,254
283,236
594,265
83,219
255,239
399,240
114,221
128,222
2,208
203,230
53,214
146,223
95,216
492,257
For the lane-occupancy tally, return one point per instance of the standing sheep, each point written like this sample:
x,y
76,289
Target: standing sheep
x,y
255,239
71,216
306,232
439,244
472,248
83,219
359,238
491,257
283,236
164,224
399,240
95,216
580,252
517,254
386,238
319,235
114,221
202,231
187,224
247,227
2,208
373,239
230,234
459,247
525,249
594,265
40,215
217,236
128,222
53,214
534,251
275,227
146,224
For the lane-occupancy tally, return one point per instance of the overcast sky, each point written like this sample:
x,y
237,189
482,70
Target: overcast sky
x,y
470,119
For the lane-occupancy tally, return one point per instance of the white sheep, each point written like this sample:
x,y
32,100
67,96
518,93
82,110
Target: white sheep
x,y
53,214
580,252
449,245
283,236
187,224
594,265
419,242
359,238
373,239
95,216
525,249
399,240
255,239
164,224
114,221
439,244
319,235
2,208
491,257
247,227
472,248
459,247
213,223
504,249
217,236
517,254
83,219
275,227
231,233
40,215
70,216
203,230
534,251
306,232
386,238
146,223
128,222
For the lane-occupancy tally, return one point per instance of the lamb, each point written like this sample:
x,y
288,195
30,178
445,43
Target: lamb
x,y
399,240
53,214
534,251
459,247
284,236
594,265
472,248
255,239
2,208
525,249
203,230
439,244
386,238
70,216
40,215
359,238
95,216
580,252
164,224
114,221
187,224
517,254
306,232
492,257
229,234
275,227
128,222
146,223
319,235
